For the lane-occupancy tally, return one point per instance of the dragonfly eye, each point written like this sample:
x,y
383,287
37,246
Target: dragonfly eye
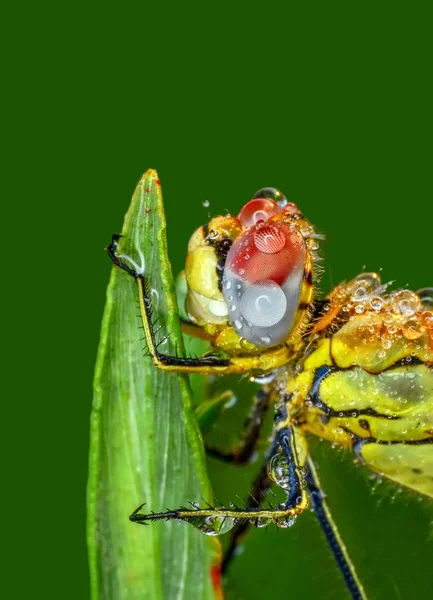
x,y
262,281
258,210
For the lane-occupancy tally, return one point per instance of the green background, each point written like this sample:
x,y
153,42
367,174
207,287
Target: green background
x,y
330,103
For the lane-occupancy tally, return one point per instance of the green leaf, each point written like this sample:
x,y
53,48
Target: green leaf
x,y
145,443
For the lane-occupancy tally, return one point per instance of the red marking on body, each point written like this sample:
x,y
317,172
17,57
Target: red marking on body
x,y
266,251
148,190
158,182
215,576
259,209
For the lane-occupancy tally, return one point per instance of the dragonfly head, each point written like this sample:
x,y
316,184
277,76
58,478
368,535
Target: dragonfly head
x,y
253,273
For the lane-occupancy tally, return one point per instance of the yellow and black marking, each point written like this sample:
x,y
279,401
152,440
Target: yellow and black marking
x,y
385,416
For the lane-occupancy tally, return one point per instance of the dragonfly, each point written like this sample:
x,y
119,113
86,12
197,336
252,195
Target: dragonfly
x,y
354,368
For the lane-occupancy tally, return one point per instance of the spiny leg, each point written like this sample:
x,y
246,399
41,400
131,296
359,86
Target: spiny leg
x,y
206,364
222,518
251,433
332,535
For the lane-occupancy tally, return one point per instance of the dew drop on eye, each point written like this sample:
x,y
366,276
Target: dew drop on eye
x,y
263,304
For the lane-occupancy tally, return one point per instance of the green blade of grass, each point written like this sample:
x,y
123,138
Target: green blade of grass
x,y
145,444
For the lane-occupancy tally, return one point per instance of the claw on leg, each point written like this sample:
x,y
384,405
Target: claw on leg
x,y
124,261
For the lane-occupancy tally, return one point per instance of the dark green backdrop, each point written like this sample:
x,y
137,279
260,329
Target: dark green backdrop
x,y
332,104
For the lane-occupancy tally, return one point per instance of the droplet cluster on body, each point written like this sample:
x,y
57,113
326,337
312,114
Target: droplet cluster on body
x,y
404,313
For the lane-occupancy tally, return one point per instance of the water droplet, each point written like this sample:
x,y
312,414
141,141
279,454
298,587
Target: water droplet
x,y
388,318
359,308
364,285
206,203
264,379
213,235
376,303
273,194
285,522
246,345
259,216
238,324
233,307
262,522
266,339
278,470
264,304
386,344
360,293
405,302
412,329
257,211
215,525
371,279
227,285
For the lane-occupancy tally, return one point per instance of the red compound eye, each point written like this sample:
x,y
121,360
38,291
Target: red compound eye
x,y
262,281
266,251
257,210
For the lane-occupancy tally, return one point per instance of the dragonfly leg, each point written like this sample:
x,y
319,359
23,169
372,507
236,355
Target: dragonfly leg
x,y
282,515
207,364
